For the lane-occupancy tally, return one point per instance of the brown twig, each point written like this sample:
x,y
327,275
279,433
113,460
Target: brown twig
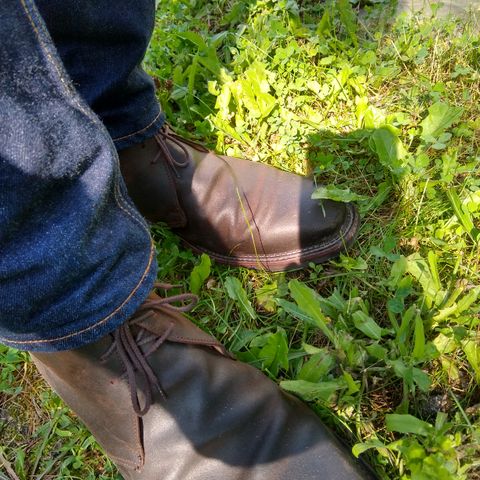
x,y
8,467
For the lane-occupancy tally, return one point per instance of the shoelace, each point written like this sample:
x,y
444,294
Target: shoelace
x,y
128,346
166,134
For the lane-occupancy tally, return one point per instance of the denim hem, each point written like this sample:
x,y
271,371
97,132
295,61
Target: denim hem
x,y
141,134
98,328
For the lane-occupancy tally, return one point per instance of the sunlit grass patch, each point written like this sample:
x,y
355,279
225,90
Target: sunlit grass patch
x,y
384,112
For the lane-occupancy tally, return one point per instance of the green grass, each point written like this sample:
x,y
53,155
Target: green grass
x,y
383,342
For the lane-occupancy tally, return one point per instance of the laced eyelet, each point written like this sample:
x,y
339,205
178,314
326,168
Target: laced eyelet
x,y
162,137
128,347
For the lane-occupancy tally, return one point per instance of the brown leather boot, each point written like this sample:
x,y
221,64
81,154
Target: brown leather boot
x,y
166,401
238,212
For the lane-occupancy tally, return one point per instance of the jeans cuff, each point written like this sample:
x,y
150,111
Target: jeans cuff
x,y
99,327
142,134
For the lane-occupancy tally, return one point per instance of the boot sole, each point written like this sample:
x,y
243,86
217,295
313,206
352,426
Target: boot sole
x,y
331,247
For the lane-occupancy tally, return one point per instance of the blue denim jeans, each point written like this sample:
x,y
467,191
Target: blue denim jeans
x,y
76,258
101,44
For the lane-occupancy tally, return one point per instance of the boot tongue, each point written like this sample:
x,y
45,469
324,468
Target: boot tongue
x,y
183,331
152,183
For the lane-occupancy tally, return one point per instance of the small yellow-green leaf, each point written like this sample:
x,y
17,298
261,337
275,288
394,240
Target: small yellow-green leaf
x,y
419,268
472,352
195,38
310,391
376,351
463,215
359,448
200,273
237,293
407,424
307,301
353,386
389,148
419,338
274,354
316,367
440,117
330,192
367,325
266,296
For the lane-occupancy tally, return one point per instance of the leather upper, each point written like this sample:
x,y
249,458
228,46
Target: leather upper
x,y
216,418
239,212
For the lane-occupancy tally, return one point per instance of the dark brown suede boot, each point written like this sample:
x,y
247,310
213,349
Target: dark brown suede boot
x,y
166,401
237,211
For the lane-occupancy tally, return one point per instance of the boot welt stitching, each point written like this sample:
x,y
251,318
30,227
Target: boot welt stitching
x,y
284,255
